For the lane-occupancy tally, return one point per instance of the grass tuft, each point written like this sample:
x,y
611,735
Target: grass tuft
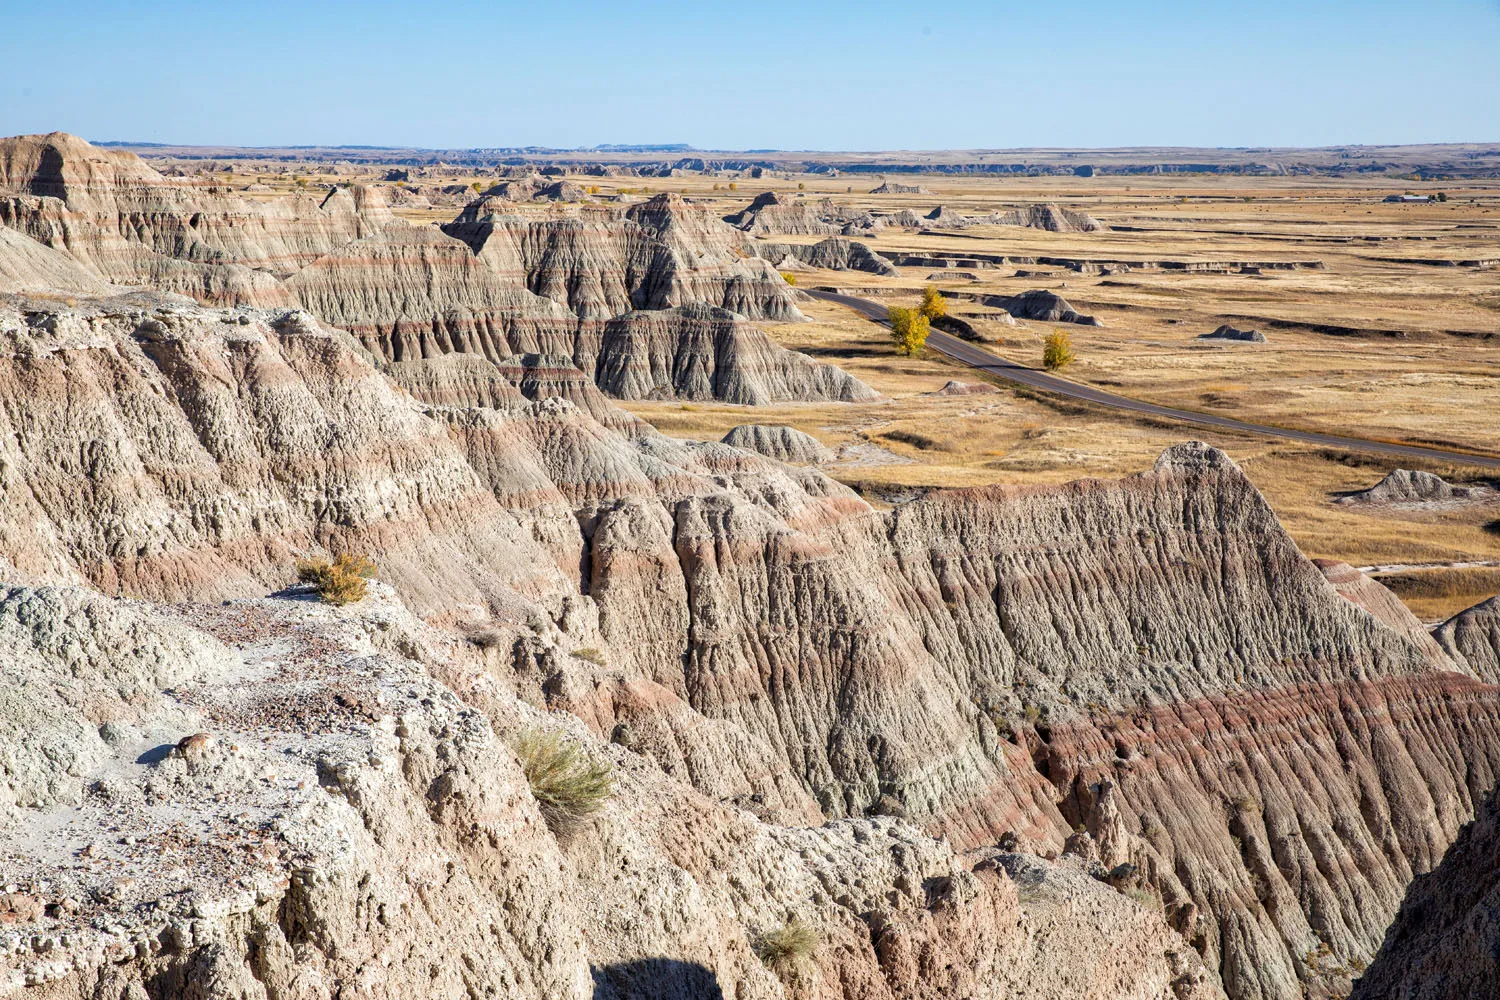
x,y
787,947
566,783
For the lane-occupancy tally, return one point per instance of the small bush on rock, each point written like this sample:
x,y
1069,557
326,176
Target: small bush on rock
x,y
566,783
789,278
343,581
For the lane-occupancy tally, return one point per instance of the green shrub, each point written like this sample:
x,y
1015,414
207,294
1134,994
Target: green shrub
x,y
787,947
566,784
343,581
909,329
1057,351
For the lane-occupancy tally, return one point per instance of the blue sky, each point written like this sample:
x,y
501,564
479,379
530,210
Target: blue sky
x,y
767,74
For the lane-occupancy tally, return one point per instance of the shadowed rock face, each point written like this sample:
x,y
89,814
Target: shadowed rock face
x,y
1227,332
1445,941
1151,659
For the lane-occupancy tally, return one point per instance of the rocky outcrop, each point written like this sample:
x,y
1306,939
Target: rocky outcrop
x,y
666,253
769,215
1472,638
832,254
1150,660
945,218
956,388
130,225
785,444
27,266
1402,487
1052,218
1040,304
1227,332
1389,609
895,187
356,822
1445,941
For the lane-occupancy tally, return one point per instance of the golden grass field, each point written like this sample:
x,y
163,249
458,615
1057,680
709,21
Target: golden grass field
x,y
1414,356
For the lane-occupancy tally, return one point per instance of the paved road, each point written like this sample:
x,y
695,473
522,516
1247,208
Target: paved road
x,y
977,357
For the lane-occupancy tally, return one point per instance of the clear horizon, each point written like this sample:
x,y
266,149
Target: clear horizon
x,y
844,77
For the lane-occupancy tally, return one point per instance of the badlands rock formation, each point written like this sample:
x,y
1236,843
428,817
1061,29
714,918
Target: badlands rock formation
x,y
786,444
768,214
1472,638
353,823
1406,487
895,187
832,254
1226,332
1445,943
641,304
1049,217
1151,662
129,225
1040,304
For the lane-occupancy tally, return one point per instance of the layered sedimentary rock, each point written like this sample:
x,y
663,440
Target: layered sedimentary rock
x,y
785,444
665,253
832,254
1445,941
1052,218
349,824
1145,672
895,187
769,215
130,225
1472,638
28,266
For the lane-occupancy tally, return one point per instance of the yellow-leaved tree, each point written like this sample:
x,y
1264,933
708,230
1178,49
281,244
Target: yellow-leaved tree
x,y
909,328
934,305
1057,350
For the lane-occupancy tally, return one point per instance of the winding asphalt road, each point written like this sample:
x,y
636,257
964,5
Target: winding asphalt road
x,y
976,357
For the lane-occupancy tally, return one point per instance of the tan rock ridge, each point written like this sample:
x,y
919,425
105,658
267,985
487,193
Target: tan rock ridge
x,y
130,225
350,826
1151,659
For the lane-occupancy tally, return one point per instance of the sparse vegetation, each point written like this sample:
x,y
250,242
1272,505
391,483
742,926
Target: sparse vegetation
x,y
789,278
1057,351
591,655
934,305
909,329
787,947
343,581
567,784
